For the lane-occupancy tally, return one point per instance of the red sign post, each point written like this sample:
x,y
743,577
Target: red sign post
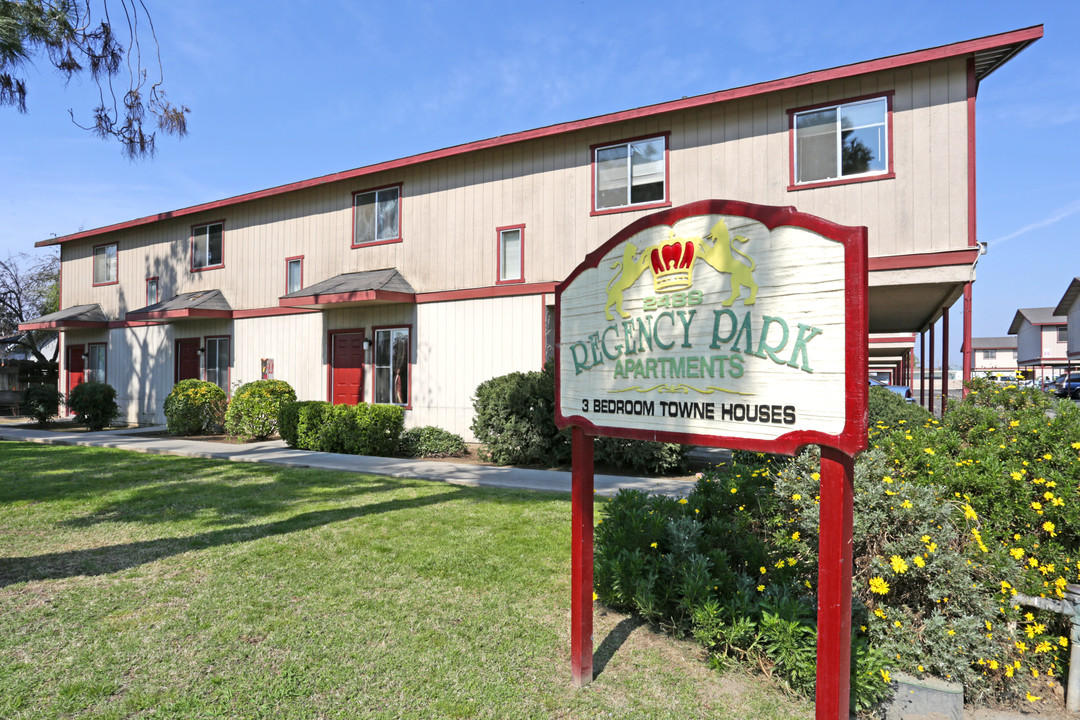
x,y
722,324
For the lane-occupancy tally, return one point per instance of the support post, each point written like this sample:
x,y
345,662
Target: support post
x,y
967,337
834,586
931,393
581,557
944,360
922,368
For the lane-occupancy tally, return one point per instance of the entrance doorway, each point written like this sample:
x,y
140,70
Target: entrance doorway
x,y
187,359
76,366
347,367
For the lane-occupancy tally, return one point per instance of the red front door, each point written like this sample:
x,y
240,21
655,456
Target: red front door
x,y
187,359
75,366
347,368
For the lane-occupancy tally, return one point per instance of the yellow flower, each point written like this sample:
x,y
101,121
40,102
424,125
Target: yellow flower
x,y
1033,698
761,588
880,613
929,451
795,536
969,513
885,676
879,586
925,538
1017,553
886,479
762,569
1036,506
683,501
1049,527
918,561
815,476
734,490
897,623
652,544
952,632
899,565
595,597
796,497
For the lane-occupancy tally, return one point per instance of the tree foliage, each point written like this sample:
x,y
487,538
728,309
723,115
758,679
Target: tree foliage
x,y
29,288
76,40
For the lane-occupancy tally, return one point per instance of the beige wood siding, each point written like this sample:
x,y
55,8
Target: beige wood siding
x,y
451,207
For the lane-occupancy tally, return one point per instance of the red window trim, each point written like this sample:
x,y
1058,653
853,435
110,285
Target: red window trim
x,y
202,360
330,361
93,255
156,279
401,219
106,363
289,260
498,254
888,174
191,245
666,202
408,362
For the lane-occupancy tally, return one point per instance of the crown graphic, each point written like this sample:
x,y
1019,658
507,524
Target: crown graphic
x,y
673,264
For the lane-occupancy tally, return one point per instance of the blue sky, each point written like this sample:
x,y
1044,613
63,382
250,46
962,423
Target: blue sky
x,y
284,91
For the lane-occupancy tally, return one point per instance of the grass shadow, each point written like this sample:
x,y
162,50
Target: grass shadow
x,y
611,644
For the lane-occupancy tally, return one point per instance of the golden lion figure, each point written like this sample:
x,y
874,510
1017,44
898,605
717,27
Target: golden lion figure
x,y
721,256
628,270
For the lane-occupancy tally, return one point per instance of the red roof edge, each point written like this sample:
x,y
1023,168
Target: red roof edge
x,y
1022,37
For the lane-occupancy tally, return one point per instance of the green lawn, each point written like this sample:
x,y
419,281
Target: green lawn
x,y
143,586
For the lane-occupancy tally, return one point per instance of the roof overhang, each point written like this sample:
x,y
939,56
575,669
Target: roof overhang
x,y
203,304
371,287
989,53
77,317
908,293
1068,298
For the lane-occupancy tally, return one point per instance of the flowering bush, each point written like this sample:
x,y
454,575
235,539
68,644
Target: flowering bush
x,y
195,407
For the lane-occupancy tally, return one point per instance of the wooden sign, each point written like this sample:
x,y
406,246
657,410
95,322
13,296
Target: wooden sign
x,y
732,325
718,323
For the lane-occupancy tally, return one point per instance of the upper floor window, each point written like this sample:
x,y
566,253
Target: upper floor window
x,y
153,293
377,216
294,274
1063,333
511,255
989,354
842,141
630,174
207,246
105,262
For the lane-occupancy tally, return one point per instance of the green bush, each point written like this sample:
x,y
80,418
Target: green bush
x,y
431,442
42,402
515,424
253,411
362,429
644,456
515,420
94,404
195,407
888,408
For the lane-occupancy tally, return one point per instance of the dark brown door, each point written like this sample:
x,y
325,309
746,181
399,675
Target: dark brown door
x,y
187,359
347,368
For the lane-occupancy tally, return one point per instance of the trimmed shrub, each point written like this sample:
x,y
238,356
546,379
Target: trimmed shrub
x,y
362,429
515,420
195,407
888,408
431,442
644,456
253,411
42,402
94,404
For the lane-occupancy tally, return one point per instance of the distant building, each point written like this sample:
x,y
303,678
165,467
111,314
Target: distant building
x,y
993,357
1069,307
1041,341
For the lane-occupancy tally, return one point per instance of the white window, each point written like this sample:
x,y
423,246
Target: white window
x,y
94,371
294,274
217,361
153,295
511,261
207,249
631,173
1063,333
842,141
392,366
376,216
989,354
105,264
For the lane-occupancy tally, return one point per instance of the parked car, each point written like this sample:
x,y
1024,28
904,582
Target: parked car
x,y
902,390
1068,385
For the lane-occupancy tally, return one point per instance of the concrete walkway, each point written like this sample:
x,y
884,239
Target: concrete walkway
x,y
276,452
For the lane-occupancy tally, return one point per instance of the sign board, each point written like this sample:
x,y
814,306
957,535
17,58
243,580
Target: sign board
x,y
718,323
